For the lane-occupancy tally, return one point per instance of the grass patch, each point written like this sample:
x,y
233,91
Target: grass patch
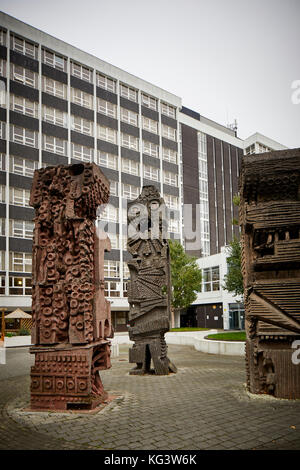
x,y
189,329
232,336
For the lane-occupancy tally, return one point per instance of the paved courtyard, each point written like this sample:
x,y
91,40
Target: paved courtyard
x,y
203,406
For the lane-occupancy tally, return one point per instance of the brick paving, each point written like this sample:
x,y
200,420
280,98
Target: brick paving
x,y
203,406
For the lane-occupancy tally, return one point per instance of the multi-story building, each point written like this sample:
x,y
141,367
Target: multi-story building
x,y
259,143
60,105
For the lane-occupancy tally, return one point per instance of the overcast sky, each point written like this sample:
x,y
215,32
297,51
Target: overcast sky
x,y
227,59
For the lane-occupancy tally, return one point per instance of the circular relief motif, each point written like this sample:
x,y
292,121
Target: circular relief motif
x,y
35,383
46,334
47,383
82,385
79,325
70,384
60,384
47,322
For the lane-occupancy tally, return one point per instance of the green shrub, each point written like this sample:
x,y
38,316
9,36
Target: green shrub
x,y
9,334
23,332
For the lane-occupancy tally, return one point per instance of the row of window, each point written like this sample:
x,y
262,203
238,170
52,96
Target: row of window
x,y
83,72
18,228
24,136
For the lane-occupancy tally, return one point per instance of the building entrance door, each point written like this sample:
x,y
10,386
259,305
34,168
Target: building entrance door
x,y
236,317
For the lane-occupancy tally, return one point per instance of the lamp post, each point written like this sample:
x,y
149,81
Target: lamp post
x,y
3,324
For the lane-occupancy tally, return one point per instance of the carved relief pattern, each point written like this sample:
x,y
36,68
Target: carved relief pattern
x,y
270,222
68,304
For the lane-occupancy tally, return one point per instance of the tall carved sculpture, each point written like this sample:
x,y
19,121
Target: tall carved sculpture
x,y
270,222
71,318
149,287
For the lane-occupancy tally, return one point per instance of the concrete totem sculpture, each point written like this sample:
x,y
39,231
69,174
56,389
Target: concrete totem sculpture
x,y
270,222
149,287
71,317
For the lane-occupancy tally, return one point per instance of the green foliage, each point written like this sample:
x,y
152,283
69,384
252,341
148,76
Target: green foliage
x,y
236,199
185,276
232,336
234,278
23,332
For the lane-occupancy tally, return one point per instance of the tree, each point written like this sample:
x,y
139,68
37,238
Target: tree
x,y
185,277
234,278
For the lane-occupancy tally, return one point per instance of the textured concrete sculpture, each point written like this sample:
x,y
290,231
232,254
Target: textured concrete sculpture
x,y
71,318
270,221
149,287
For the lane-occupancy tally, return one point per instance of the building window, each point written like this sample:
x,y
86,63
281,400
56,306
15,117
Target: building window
x,y
80,71
170,178
150,149
169,155
19,285
129,116
168,110
55,116
54,60
19,197
111,268
55,144
129,93
107,134
3,37
24,76
249,150
2,286
21,228
149,102
125,289
109,213
126,273
24,106
3,68
55,88
171,201
129,191
130,166
20,262
82,125
129,141
2,162
107,108
150,125
174,225
81,98
22,166
203,194
211,279
81,152
23,47
112,289
23,136
106,82
169,132
151,172
107,159
114,188
2,129
2,193
2,232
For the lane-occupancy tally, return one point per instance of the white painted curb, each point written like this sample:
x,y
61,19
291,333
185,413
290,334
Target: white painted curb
x,y
2,356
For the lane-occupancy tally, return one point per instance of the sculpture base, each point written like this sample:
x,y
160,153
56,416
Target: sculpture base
x,y
66,377
273,368
144,351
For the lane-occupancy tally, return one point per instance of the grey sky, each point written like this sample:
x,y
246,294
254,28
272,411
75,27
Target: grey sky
x,y
226,58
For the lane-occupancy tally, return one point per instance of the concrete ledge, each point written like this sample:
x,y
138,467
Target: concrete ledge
x,y
15,341
2,356
196,339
